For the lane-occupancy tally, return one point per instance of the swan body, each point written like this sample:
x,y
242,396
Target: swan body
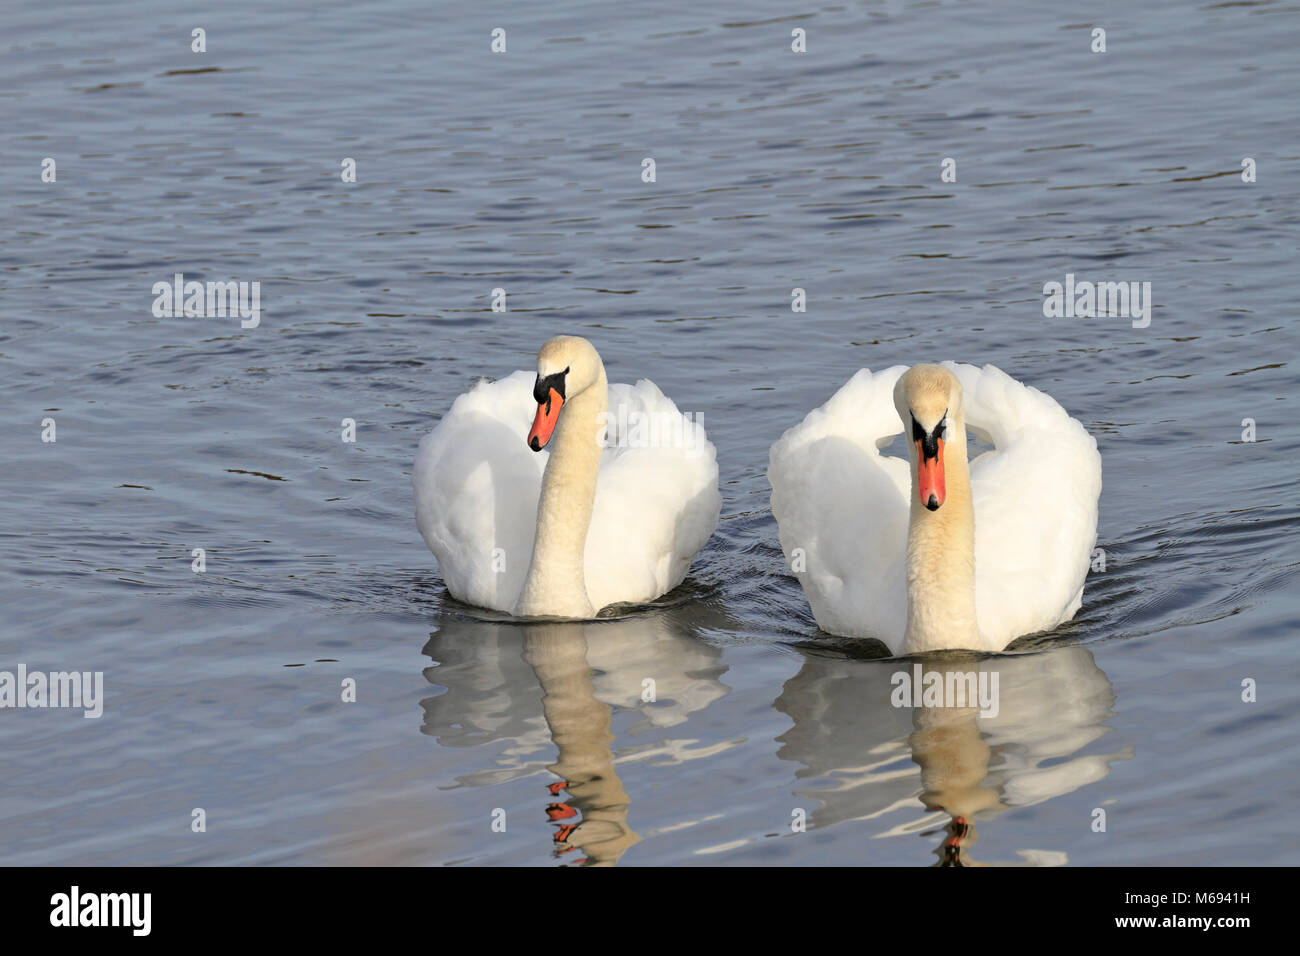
x,y
606,501
931,551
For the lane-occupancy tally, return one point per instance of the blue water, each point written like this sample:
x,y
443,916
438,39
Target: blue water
x,y
522,171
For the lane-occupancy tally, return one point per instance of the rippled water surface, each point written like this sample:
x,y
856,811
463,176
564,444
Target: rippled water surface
x,y
522,171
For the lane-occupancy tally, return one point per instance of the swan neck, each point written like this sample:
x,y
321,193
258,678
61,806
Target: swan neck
x,y
941,560
556,585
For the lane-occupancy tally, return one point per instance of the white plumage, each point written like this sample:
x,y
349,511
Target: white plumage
x,y
843,508
477,484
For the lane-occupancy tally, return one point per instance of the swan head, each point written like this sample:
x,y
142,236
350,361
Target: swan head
x,y
566,366
928,399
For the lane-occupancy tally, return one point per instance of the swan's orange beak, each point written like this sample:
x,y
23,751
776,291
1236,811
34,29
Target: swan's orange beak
x,y
929,476
547,415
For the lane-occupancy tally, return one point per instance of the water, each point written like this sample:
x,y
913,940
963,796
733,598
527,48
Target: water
x,y
522,171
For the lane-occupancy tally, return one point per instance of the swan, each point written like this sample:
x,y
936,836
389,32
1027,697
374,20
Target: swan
x,y
936,552
606,500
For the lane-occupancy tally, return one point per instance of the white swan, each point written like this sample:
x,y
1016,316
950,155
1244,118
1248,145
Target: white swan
x,y
933,552
611,512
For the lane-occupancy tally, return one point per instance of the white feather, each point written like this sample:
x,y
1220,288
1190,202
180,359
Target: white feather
x,y
846,506
477,484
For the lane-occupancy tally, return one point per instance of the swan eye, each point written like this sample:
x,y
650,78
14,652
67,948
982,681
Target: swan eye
x,y
929,441
542,387
920,434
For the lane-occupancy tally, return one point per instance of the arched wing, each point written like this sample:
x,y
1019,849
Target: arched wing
x,y
476,486
1035,500
842,509
657,499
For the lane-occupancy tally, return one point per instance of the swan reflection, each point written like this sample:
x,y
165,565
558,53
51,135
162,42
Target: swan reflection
x,y
554,687
859,753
